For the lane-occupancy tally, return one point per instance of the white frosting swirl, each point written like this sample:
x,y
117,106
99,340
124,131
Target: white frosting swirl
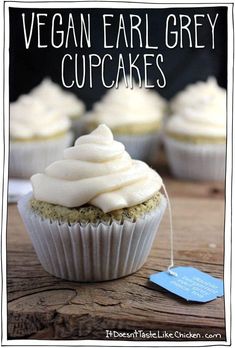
x,y
200,110
125,106
30,118
54,96
201,93
96,170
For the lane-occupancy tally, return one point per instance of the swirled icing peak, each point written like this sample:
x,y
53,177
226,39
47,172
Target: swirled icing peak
x,y
126,106
202,93
98,171
54,96
30,118
200,110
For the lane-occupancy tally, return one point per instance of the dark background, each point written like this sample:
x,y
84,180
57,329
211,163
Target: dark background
x,y
181,65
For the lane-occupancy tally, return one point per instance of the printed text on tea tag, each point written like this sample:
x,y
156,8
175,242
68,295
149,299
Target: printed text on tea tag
x,y
190,284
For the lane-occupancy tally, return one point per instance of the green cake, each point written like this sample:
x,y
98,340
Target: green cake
x,y
89,213
131,129
196,139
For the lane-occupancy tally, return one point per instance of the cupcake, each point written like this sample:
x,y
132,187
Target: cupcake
x,y
134,116
38,135
195,135
94,214
66,102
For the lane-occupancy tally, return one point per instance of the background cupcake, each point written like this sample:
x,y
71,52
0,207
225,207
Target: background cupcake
x,y
38,134
199,93
195,135
66,102
93,216
134,116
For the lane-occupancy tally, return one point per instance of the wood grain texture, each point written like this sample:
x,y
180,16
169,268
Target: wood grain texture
x,y
41,306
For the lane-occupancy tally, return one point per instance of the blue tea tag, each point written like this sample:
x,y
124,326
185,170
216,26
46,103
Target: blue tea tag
x,y
190,284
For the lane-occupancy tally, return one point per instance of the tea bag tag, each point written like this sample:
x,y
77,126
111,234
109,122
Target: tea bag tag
x,y
189,283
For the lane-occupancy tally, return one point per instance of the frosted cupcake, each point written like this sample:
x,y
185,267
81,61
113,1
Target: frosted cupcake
x,y
195,138
94,214
66,102
38,135
134,116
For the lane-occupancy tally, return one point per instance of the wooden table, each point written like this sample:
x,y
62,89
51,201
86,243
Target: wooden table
x,y
41,306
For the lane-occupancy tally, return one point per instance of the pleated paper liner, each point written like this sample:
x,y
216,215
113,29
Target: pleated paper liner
x,y
196,161
28,158
141,147
91,252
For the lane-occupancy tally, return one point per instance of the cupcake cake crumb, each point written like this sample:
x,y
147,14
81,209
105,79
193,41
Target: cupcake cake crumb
x,y
92,214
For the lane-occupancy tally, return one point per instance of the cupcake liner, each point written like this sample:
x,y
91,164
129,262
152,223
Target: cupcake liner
x,y
78,126
28,158
141,147
196,161
91,252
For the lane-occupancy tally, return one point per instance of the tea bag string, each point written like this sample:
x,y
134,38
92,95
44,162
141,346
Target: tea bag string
x,y
169,269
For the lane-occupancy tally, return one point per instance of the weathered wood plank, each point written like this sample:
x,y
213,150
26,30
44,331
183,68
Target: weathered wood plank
x,y
44,307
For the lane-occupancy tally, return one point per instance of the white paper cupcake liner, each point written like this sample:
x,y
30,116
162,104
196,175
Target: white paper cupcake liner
x,y
91,252
78,126
28,158
196,161
141,147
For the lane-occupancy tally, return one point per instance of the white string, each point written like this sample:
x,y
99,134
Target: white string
x,y
171,234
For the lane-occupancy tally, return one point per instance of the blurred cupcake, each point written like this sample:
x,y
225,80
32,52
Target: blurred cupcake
x,y
93,216
201,93
38,135
67,103
195,135
134,116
